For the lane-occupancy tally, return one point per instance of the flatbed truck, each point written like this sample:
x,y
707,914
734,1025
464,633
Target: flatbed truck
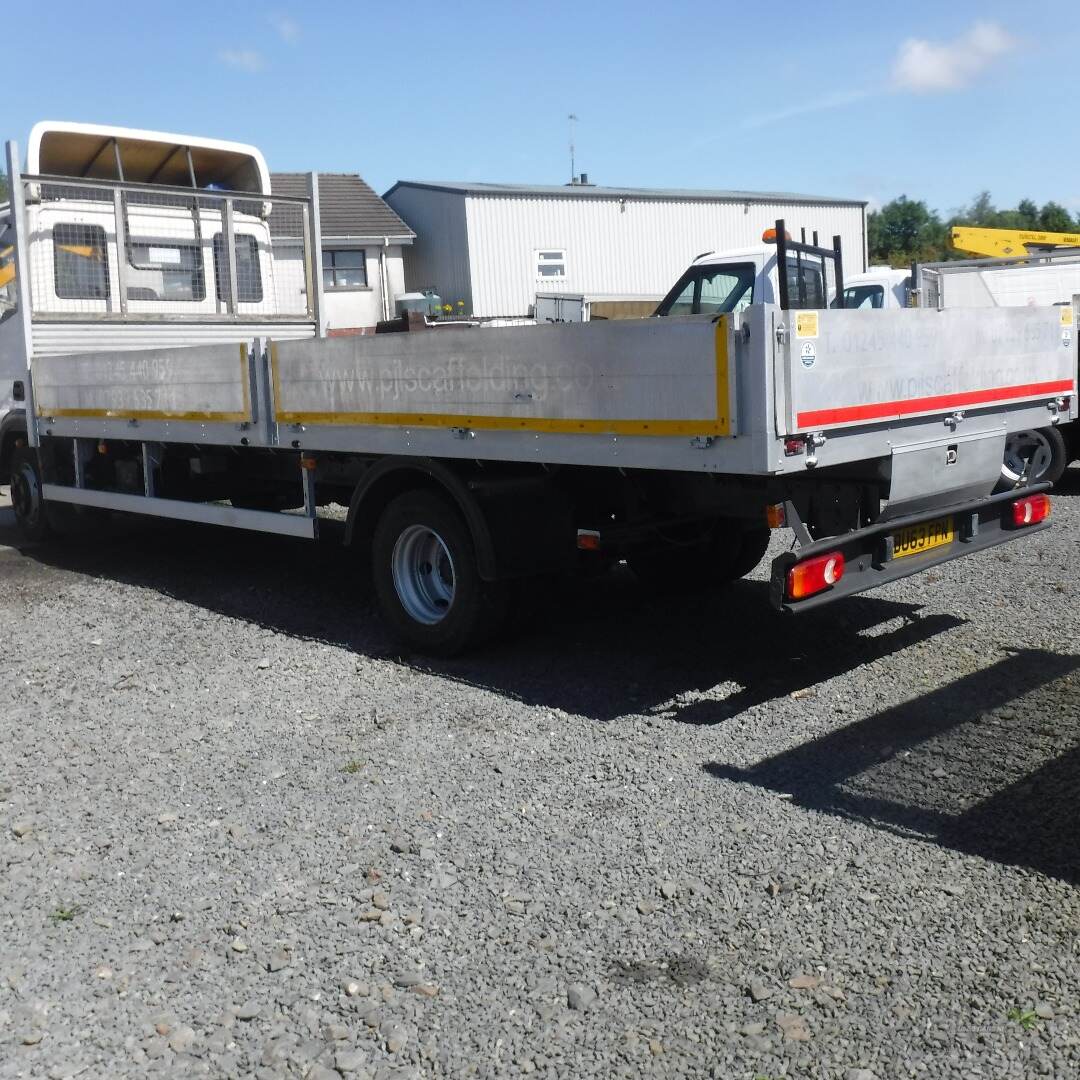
x,y
178,369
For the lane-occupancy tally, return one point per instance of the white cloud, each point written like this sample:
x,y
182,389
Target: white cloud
x,y
242,59
287,29
923,67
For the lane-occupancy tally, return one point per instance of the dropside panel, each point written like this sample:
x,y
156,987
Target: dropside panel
x,y
858,368
210,383
646,378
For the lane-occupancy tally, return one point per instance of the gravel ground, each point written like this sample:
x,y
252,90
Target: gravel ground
x,y
241,836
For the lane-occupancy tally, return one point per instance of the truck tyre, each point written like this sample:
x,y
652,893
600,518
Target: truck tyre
x,y
425,577
731,553
1046,450
26,498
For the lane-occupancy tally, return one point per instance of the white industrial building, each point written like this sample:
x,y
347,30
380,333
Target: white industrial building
x,y
494,246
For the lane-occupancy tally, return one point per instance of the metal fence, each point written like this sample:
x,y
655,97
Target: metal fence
x,y
145,252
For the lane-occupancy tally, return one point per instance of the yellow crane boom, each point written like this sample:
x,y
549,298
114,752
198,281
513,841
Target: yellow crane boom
x,y
1003,243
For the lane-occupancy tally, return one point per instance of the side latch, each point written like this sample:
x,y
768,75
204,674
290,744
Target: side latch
x,y
814,441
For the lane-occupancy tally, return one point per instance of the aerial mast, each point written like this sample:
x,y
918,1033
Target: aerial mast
x,y
572,118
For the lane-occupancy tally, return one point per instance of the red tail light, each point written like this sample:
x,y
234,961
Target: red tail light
x,y
1031,510
815,575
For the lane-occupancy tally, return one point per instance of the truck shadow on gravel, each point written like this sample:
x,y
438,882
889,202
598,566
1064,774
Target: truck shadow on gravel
x,y
601,648
987,765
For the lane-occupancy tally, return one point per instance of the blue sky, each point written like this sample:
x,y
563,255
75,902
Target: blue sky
x,y
935,100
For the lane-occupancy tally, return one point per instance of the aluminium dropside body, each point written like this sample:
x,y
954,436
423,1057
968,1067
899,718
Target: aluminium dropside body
x,y
879,434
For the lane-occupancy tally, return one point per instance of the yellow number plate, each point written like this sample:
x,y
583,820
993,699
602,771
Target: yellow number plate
x,y
925,536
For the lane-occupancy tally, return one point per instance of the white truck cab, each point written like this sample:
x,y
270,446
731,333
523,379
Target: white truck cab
x,y
879,287
718,283
134,239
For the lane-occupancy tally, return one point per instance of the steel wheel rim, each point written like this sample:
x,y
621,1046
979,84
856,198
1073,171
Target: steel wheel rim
x,y
424,576
1022,447
26,494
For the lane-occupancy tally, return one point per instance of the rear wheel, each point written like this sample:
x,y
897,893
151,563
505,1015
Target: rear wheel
x,y
730,553
26,496
1041,452
426,580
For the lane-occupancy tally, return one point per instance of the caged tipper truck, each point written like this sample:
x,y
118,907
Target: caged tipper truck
x,y
162,353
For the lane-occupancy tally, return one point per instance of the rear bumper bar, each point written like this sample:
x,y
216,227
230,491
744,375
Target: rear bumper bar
x,y
868,553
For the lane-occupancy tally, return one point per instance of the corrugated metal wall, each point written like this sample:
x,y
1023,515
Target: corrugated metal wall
x,y
439,257
631,246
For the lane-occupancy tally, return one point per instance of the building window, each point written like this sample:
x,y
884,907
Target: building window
x,y
344,269
165,270
80,262
550,263
249,288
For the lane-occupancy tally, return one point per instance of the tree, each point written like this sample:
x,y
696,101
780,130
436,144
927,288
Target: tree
x,y
1053,217
1029,214
981,211
904,230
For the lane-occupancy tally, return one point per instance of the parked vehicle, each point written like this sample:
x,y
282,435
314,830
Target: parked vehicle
x,y
474,461
730,280
879,287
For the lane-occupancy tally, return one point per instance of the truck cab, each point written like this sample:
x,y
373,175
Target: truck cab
x,y
880,287
720,283
135,239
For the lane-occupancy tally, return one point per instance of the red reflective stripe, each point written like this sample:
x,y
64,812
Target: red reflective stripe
x,y
849,413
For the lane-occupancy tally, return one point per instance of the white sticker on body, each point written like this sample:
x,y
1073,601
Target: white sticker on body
x,y
809,354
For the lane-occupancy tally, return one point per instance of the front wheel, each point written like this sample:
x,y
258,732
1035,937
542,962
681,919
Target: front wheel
x,y
426,580
26,495
1041,453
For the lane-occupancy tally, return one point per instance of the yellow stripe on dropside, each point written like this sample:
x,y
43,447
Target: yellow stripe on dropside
x,y
507,423
245,380
275,378
723,395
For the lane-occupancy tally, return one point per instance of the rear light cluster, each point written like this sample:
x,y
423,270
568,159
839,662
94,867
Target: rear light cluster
x,y
1030,510
815,575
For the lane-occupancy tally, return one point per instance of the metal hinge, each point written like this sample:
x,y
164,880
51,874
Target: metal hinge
x,y
462,433
814,440
954,420
781,334
702,442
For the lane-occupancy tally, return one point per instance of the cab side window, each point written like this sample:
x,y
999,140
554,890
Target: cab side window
x,y
711,290
806,286
80,262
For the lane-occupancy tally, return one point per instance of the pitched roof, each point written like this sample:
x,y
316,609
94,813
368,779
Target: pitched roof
x,y
347,207
591,191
